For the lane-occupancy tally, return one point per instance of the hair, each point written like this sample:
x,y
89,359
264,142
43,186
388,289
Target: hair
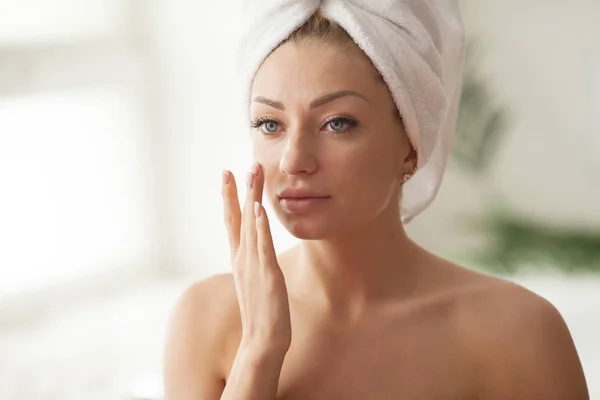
x,y
321,28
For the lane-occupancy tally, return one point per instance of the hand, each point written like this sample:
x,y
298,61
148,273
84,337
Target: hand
x,y
259,282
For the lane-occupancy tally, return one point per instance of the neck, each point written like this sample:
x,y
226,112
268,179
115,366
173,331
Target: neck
x,y
351,271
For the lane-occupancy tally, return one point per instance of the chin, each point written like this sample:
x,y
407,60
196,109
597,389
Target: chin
x,y
310,227
306,227
306,232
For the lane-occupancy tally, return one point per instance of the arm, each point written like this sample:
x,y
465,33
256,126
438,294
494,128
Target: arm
x,y
528,352
254,375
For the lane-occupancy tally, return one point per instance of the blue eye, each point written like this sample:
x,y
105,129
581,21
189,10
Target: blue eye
x,y
267,126
271,126
341,124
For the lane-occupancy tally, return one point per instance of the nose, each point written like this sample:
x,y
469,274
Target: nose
x,y
299,156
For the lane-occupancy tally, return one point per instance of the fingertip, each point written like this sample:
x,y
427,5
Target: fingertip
x,y
225,177
259,170
255,169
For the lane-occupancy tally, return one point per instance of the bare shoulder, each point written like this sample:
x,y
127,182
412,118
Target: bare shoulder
x,y
519,343
202,324
209,309
209,297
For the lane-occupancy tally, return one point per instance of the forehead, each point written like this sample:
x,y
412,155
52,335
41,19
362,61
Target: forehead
x,y
313,67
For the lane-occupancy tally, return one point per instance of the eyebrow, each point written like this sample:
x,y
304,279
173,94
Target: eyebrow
x,y
318,102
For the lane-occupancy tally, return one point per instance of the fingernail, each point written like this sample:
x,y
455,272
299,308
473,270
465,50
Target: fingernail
x,y
255,169
256,209
225,177
249,180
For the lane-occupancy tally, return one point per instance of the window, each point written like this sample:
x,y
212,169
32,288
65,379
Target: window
x,y
47,21
75,192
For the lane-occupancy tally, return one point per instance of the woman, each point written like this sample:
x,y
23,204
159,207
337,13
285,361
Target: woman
x,y
356,310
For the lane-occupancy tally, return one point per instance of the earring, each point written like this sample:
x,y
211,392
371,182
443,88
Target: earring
x,y
409,175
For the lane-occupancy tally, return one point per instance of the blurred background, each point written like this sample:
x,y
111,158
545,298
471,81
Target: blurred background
x,y
117,117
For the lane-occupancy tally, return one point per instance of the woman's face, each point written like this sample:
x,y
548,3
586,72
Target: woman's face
x,y
325,131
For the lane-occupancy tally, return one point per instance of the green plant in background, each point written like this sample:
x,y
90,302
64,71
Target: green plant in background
x,y
481,124
515,243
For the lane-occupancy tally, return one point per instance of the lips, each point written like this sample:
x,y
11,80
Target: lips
x,y
299,201
302,205
300,193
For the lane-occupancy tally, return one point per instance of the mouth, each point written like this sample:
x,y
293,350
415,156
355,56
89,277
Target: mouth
x,y
300,205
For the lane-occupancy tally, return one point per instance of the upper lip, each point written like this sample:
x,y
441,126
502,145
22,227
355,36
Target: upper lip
x,y
299,193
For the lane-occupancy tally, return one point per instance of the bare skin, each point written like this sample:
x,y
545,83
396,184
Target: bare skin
x,y
356,310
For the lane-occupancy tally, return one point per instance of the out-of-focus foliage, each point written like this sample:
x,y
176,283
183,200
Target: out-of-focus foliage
x,y
481,123
515,243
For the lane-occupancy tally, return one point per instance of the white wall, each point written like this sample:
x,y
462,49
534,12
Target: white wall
x,y
542,59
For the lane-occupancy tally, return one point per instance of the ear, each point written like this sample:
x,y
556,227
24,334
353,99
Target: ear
x,y
408,165
410,161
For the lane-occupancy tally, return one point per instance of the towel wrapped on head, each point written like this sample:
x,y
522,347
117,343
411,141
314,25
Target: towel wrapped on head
x,y
416,45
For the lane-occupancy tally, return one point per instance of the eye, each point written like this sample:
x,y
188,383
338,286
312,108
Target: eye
x,y
341,124
267,126
271,126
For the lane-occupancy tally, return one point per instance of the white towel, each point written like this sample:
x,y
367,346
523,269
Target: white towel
x,y
417,46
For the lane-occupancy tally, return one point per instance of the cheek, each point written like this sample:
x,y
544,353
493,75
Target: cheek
x,y
365,180
269,158
366,168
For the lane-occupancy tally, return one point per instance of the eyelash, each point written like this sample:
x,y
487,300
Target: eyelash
x,y
260,122
345,120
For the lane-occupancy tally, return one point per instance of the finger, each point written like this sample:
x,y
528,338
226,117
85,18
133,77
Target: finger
x,y
259,184
266,249
231,212
254,185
